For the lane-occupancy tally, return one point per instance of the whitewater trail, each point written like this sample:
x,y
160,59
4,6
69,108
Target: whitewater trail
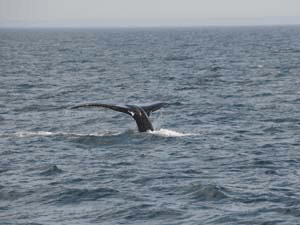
x,y
27,134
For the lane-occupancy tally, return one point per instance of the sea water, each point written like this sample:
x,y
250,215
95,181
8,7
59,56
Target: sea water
x,y
226,150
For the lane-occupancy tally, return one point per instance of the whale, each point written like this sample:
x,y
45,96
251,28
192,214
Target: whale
x,y
140,114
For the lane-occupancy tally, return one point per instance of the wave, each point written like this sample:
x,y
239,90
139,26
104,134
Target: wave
x,y
210,192
53,170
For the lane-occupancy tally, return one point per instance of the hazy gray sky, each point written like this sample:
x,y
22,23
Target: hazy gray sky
x,y
149,12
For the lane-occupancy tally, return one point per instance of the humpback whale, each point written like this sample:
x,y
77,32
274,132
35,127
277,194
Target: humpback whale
x,y
139,113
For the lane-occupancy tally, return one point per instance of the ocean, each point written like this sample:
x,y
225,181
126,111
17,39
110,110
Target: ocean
x,y
225,150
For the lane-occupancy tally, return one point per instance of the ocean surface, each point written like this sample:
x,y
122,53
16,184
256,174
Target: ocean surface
x,y
226,150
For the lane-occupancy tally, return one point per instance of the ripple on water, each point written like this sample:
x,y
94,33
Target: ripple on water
x,y
142,213
9,195
75,196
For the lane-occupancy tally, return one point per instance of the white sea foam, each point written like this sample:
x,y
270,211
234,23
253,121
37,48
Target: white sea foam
x,y
24,134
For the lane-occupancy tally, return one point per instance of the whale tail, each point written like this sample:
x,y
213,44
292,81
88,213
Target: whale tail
x,y
139,114
147,109
113,107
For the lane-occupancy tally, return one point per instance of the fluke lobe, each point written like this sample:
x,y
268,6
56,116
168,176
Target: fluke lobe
x,y
139,114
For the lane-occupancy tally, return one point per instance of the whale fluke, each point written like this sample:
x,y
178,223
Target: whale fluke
x,y
113,107
154,107
139,114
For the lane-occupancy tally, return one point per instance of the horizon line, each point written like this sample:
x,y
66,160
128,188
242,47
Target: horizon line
x,y
267,21
106,26
246,22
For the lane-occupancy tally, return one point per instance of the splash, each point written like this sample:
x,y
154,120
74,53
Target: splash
x,y
169,133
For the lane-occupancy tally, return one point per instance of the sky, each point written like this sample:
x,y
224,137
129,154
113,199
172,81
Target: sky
x,y
148,12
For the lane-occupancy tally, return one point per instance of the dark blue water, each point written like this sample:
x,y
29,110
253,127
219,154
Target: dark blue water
x,y
225,151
